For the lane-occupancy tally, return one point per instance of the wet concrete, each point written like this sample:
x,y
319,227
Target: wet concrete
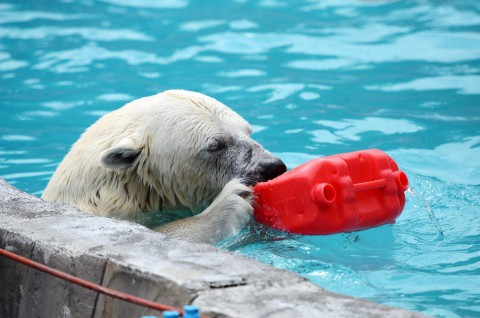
x,y
133,259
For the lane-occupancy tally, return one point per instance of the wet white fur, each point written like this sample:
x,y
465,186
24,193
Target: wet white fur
x,y
90,179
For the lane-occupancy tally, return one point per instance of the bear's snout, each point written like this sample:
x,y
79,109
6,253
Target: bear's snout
x,y
273,170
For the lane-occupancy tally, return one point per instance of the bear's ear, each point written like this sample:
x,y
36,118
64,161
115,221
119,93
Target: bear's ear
x,y
121,155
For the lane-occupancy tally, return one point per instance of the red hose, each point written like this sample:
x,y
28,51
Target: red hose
x,y
92,286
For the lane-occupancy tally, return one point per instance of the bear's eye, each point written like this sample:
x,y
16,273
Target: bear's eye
x,y
216,145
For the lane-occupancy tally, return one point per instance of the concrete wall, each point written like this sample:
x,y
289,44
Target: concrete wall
x,y
131,258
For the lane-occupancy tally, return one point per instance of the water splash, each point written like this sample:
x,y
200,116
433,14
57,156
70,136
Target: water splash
x,y
430,213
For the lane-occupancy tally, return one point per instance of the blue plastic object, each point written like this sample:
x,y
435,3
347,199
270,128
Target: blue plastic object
x,y
171,314
191,312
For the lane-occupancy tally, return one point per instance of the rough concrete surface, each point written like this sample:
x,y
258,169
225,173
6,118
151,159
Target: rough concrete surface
x,y
133,259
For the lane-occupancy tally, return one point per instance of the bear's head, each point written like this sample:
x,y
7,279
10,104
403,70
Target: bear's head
x,y
186,146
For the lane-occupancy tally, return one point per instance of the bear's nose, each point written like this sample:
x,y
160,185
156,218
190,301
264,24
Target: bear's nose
x,y
274,169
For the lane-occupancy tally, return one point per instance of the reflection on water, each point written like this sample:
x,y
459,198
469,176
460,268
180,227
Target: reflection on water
x,y
313,78
466,84
451,162
351,129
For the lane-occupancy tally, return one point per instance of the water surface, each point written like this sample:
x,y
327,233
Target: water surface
x,y
314,78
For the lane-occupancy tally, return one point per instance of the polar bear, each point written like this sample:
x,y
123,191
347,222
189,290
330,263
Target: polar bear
x,y
175,150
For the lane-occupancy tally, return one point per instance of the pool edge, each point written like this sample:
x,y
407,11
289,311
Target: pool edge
x,y
134,259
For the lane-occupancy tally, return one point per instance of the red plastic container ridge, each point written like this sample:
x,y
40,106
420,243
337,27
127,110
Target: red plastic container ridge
x,y
339,193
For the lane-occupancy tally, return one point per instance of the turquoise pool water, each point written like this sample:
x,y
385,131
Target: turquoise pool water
x,y
314,78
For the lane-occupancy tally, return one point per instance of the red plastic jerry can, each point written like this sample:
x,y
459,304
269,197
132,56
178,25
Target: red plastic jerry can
x,y
339,193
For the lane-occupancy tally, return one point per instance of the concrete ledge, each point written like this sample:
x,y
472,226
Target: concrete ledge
x,y
131,258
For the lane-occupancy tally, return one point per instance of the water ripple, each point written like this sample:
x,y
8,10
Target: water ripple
x,y
446,162
87,33
79,60
164,4
242,73
429,46
195,26
351,129
8,16
466,84
313,78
